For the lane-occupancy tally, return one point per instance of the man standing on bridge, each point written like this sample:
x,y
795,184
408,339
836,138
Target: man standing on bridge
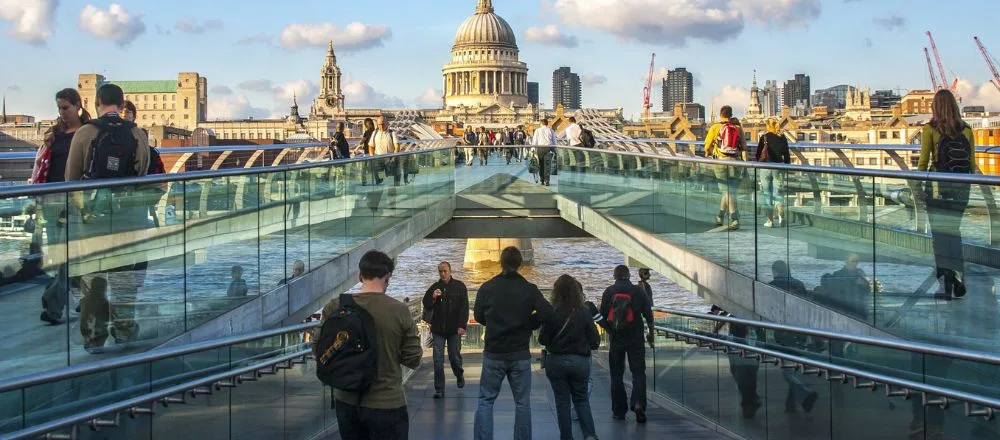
x,y
725,142
624,307
446,309
543,139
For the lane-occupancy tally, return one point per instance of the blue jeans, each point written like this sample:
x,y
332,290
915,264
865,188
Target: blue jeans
x,y
454,356
569,376
518,373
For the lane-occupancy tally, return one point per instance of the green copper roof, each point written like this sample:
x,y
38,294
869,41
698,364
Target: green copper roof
x,y
168,86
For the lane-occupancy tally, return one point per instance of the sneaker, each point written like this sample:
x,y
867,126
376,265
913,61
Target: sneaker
x,y
734,225
460,381
809,402
640,414
439,394
718,220
768,224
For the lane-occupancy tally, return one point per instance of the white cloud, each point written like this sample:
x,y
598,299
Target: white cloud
x,y
985,94
14,88
30,20
221,90
593,79
675,21
239,107
550,36
431,98
736,97
115,24
257,85
191,25
351,38
360,94
303,90
890,22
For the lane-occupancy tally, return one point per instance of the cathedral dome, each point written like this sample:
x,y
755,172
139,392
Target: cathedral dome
x,y
485,28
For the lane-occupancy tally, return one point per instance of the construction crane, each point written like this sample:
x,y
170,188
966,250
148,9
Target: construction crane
x,y
940,64
930,69
989,62
646,105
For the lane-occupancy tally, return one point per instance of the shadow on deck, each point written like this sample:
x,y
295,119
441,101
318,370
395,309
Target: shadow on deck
x,y
453,417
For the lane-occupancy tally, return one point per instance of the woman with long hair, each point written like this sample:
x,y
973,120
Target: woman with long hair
x,y
368,147
50,160
569,337
947,145
772,148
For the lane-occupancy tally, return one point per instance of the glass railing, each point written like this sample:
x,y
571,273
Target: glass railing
x,y
777,382
284,397
868,244
124,265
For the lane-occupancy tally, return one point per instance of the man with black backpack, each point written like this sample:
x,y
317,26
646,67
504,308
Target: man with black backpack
x,y
109,147
364,342
624,307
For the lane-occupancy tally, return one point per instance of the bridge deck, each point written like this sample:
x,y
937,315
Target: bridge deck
x,y
453,417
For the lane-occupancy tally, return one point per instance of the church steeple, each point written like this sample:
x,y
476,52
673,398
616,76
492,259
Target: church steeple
x,y
331,57
330,101
754,108
484,7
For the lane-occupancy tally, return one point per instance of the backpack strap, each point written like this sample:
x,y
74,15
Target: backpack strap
x,y
346,299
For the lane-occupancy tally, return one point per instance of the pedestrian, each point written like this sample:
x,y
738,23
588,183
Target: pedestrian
x,y
569,338
624,308
105,148
744,371
384,142
510,308
471,140
237,287
792,343
644,286
773,148
368,147
725,142
484,149
339,148
543,139
50,166
446,305
380,412
947,145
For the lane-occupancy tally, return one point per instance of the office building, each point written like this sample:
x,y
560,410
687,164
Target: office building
x,y
797,92
533,93
678,88
566,89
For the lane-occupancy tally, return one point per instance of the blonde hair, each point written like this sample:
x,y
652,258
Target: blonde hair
x,y
772,125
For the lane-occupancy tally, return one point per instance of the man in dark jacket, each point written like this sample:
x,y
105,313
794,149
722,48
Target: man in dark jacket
x,y
446,306
624,307
510,308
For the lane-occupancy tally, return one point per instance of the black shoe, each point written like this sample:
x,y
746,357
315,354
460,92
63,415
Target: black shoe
x,y
618,417
439,394
52,321
640,414
460,381
807,405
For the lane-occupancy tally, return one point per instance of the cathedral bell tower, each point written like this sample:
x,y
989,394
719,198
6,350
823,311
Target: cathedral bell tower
x,y
330,101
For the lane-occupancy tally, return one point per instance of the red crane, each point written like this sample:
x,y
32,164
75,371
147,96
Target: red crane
x,y
937,57
646,92
989,62
930,69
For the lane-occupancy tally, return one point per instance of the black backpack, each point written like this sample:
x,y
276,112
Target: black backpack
x,y
587,138
113,151
346,349
621,317
954,155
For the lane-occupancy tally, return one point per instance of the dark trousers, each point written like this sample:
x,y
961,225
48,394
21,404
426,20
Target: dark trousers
x,y
632,348
544,164
454,357
744,371
945,208
569,376
360,423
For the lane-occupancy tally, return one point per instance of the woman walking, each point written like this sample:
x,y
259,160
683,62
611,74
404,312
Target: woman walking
x,y
773,148
569,337
947,146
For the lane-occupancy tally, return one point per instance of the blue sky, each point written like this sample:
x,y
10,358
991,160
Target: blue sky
x,y
394,54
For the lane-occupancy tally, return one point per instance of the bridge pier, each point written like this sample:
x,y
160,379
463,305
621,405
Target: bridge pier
x,y
485,252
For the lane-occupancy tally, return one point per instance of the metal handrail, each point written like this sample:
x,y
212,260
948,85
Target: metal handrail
x,y
84,185
895,344
903,388
21,382
134,406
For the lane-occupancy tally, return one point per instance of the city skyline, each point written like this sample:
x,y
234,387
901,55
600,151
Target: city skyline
x,y
254,67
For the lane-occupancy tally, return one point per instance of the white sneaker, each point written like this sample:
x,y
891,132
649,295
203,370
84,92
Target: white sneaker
x,y
768,224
